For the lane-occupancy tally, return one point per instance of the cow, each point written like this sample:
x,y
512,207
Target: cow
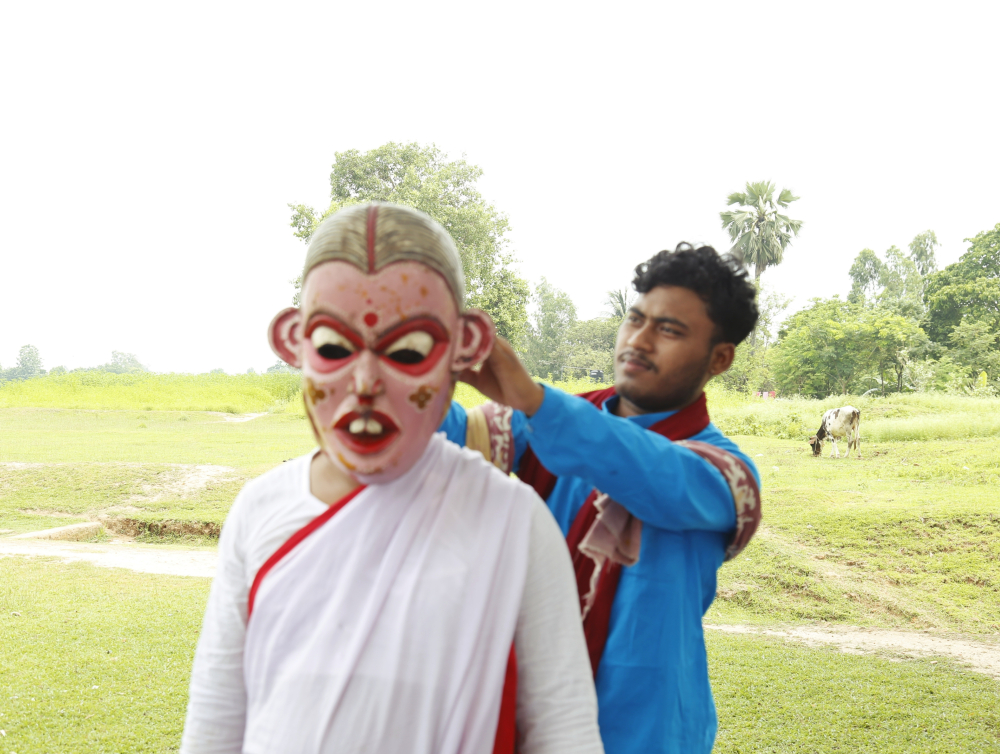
x,y
839,423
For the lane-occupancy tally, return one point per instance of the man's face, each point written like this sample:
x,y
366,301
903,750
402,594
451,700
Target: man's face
x,y
376,353
664,352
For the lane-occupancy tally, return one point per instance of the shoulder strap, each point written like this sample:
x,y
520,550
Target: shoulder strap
x,y
488,430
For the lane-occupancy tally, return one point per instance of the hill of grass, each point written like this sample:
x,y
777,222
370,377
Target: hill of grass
x,y
145,391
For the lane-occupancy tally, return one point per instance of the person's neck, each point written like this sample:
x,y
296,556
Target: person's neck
x,y
327,482
626,408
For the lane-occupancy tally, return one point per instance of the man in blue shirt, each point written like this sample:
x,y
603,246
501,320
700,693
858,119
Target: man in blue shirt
x,y
651,496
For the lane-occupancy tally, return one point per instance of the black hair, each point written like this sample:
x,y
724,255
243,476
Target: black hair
x,y
720,280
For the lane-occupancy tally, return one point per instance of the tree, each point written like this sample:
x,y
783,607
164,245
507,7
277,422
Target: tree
x,y
895,284
548,348
29,363
423,177
967,289
751,369
866,277
592,346
757,229
976,349
922,252
902,285
619,302
123,363
835,346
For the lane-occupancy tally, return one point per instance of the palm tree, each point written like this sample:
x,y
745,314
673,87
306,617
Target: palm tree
x,y
619,302
757,230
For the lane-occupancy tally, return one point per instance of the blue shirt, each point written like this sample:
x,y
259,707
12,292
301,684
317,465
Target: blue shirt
x,y
652,682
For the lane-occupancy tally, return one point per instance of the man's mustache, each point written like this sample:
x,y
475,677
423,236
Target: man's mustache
x,y
631,355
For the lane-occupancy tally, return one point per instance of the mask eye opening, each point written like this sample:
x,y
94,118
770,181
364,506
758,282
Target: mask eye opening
x,y
410,348
330,343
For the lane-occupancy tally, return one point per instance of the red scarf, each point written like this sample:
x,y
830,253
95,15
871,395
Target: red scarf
x,y
686,423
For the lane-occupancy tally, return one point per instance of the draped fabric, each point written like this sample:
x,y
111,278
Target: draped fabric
x,y
400,645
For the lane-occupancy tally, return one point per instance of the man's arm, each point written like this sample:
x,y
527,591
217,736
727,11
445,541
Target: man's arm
x,y
217,703
556,702
660,483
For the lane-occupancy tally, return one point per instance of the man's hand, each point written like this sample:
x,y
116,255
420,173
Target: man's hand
x,y
505,380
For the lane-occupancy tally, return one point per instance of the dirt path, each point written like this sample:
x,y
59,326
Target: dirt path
x,y
168,560
237,418
980,655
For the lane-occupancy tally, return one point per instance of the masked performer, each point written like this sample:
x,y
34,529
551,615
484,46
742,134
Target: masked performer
x,y
650,496
390,592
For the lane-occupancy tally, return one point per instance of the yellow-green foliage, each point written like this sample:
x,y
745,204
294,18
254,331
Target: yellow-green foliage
x,y
469,396
145,391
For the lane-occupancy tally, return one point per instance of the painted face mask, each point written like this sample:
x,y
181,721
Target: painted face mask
x,y
378,350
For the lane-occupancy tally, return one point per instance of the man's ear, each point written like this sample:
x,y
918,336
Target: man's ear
x,y
722,358
476,336
285,337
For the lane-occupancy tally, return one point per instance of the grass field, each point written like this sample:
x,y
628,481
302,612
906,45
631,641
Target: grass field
x,y
907,537
92,659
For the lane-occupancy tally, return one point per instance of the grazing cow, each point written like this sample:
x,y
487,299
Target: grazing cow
x,y
837,424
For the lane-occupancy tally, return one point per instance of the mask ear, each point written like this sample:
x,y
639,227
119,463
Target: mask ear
x,y
476,336
284,336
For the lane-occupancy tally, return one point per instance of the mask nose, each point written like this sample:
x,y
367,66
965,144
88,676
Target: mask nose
x,y
367,382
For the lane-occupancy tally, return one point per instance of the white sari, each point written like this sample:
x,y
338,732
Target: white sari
x,y
388,627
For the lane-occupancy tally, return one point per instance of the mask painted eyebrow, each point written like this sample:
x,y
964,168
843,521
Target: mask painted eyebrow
x,y
427,324
322,319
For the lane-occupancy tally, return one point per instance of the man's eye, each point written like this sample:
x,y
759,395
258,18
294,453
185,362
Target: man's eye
x,y
412,348
330,344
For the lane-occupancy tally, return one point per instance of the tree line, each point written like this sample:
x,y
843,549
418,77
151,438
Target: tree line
x,y
29,364
905,326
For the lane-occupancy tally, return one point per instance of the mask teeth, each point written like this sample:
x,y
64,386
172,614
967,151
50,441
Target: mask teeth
x,y
370,426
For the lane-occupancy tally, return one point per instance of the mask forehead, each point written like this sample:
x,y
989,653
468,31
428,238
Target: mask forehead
x,y
375,302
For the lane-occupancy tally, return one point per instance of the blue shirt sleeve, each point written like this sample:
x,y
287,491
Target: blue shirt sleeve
x,y
663,484
455,425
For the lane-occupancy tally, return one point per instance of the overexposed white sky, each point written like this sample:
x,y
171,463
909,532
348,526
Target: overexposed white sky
x,y
148,150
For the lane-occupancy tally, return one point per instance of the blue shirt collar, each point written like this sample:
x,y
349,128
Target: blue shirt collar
x,y
643,420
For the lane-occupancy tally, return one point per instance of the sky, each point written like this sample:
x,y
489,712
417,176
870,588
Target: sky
x,y
148,151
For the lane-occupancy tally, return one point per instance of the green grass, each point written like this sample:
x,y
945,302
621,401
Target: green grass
x,y
94,659
908,536
133,636
72,465
780,698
